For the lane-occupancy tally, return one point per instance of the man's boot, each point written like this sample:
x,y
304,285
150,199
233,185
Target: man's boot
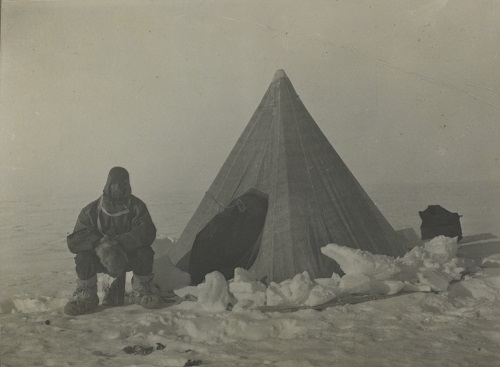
x,y
85,298
143,292
115,294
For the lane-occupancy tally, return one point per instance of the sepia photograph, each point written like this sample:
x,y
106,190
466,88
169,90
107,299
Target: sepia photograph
x,y
250,183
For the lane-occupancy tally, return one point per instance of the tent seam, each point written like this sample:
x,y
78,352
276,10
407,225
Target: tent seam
x,y
306,161
276,103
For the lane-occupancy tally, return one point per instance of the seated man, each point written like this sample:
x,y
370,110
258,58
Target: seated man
x,y
112,235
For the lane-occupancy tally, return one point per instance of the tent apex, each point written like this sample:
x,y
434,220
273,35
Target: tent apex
x,y
280,73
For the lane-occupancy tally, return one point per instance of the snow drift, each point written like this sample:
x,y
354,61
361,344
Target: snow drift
x,y
430,267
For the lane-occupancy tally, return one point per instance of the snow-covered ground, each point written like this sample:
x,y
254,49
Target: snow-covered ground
x,y
451,317
458,327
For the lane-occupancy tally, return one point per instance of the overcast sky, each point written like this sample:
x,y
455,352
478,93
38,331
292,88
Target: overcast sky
x,y
406,91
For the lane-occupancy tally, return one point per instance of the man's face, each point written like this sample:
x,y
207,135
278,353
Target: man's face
x,y
118,189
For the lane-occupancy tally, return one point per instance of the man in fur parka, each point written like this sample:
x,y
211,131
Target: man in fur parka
x,y
113,235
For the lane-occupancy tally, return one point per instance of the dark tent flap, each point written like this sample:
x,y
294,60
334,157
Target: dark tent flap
x,y
230,239
437,221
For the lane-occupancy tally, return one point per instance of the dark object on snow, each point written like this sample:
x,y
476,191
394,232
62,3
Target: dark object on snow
x,y
114,295
160,346
437,221
47,322
193,362
138,349
231,239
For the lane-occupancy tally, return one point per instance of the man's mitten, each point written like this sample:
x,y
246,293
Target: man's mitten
x,y
112,256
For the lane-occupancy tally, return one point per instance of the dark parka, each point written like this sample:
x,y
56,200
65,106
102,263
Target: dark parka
x,y
133,229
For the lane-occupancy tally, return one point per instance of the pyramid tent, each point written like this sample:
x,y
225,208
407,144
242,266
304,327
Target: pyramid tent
x,y
312,197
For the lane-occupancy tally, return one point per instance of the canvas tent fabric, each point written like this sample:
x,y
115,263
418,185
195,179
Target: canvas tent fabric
x,y
313,198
